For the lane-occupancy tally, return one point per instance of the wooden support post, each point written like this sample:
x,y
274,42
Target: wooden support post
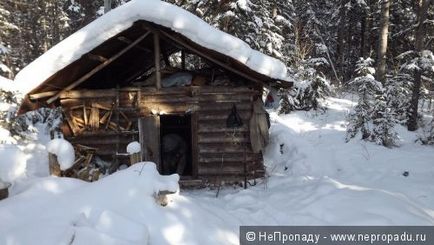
x,y
135,158
54,165
157,60
183,59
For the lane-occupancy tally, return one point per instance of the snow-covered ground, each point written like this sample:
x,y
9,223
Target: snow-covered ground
x,y
315,179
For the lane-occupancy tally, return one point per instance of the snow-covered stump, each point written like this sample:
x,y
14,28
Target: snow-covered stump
x,y
4,189
134,149
61,156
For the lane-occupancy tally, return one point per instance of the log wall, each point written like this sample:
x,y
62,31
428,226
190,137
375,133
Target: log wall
x,y
219,153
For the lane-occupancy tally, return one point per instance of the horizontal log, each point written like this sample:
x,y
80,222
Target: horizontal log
x,y
42,95
221,171
70,103
181,108
88,94
201,89
223,148
210,128
230,135
245,116
191,183
218,99
216,107
229,157
226,170
223,139
218,179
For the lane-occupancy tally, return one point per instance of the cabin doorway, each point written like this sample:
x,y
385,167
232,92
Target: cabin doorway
x,y
176,144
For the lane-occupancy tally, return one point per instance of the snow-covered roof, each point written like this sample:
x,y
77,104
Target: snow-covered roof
x,y
155,11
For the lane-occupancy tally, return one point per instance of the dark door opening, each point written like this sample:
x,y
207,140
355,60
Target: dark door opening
x,y
176,154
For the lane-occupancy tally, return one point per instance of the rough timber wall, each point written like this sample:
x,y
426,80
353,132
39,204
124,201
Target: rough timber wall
x,y
219,153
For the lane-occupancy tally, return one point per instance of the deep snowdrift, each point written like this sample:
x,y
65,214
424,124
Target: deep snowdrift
x,y
315,179
115,210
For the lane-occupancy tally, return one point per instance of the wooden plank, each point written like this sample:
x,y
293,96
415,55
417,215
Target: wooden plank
x,y
217,107
70,103
182,59
238,158
69,119
96,57
107,94
191,183
223,139
97,68
157,59
149,137
42,95
194,144
150,91
224,148
210,128
187,99
238,171
86,122
94,117
245,116
147,108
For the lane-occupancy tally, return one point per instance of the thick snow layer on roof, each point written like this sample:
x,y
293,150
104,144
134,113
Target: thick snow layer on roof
x,y
162,13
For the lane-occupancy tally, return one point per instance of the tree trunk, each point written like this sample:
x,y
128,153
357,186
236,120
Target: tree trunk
x,y
363,22
382,42
419,46
107,5
340,39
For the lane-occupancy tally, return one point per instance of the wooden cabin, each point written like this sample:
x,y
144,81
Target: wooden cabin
x,y
148,81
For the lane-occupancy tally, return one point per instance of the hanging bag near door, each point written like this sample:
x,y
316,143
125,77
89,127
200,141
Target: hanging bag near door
x,y
234,119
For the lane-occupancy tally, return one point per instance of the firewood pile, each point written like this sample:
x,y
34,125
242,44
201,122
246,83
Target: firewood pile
x,y
94,117
85,167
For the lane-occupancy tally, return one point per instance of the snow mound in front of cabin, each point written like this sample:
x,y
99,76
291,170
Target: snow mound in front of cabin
x,y
314,178
12,163
118,209
158,12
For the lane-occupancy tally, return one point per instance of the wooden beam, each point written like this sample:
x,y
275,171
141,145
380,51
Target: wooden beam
x,y
42,95
157,60
205,56
98,68
183,59
128,41
97,57
166,58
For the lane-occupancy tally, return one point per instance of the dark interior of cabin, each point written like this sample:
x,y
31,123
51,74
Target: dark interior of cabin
x,y
175,133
